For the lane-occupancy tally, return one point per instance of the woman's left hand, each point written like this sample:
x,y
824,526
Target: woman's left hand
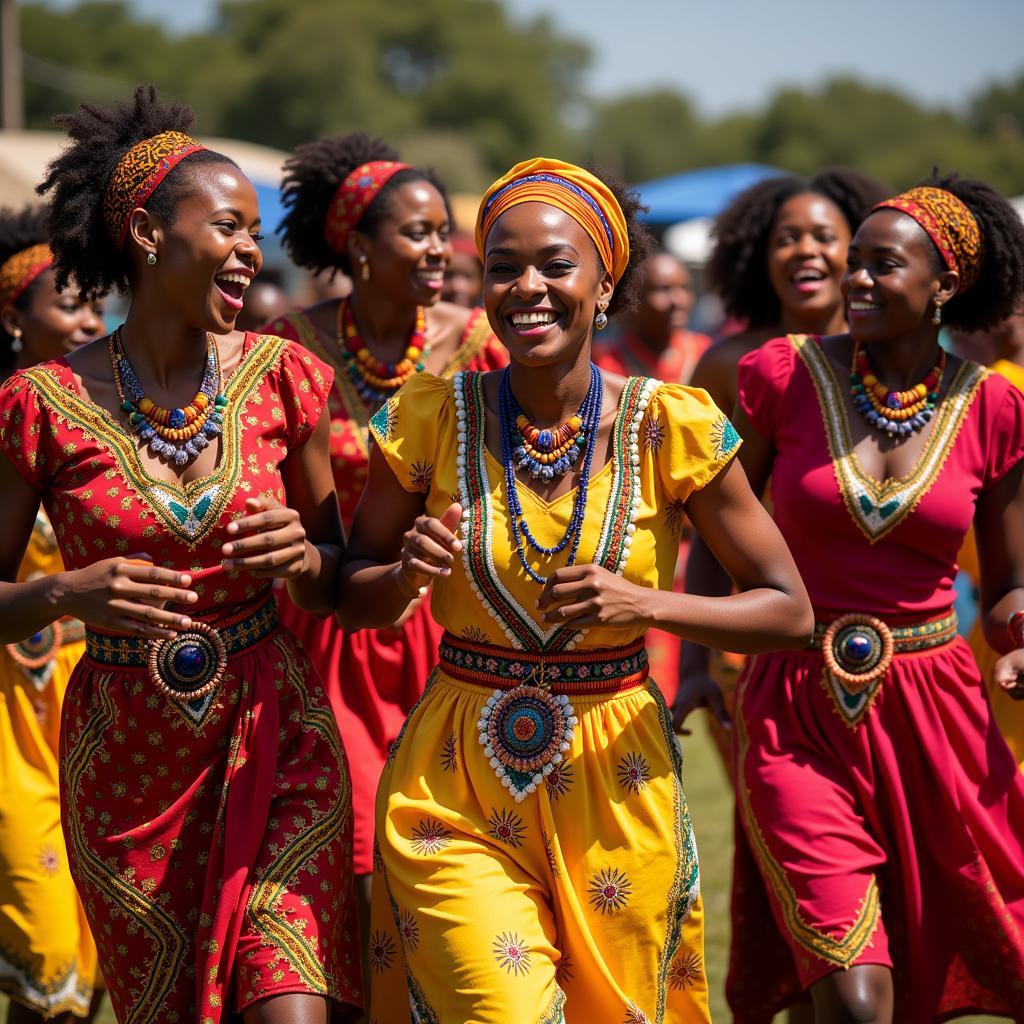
x,y
1008,674
590,595
272,542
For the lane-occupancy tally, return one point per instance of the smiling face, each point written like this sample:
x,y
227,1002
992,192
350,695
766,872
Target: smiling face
x,y
893,278
807,256
666,297
410,249
543,284
208,254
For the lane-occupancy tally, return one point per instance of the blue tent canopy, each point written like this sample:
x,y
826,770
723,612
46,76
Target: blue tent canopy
x,y
703,193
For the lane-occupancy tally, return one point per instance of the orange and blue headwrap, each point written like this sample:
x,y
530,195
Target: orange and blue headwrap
x,y
569,188
137,175
17,272
353,198
950,225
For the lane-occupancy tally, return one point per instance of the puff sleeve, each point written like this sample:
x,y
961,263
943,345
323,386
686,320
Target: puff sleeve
x,y
23,430
1005,431
408,427
763,378
304,384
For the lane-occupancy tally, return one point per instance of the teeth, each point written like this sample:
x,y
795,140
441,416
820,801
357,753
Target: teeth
x,y
235,279
863,305
532,319
808,275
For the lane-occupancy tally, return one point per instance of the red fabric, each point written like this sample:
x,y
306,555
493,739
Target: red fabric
x,y
373,677
200,843
921,796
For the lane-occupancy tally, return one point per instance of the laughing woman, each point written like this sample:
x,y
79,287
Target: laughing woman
x,y
535,847
183,466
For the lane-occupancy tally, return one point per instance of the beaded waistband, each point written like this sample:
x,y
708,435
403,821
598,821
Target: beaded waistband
x,y
918,636
599,670
236,634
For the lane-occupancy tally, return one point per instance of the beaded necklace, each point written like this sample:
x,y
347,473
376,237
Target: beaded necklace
x,y
547,453
898,413
376,380
590,416
177,434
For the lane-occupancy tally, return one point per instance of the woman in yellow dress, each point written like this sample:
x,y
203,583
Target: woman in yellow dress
x,y
535,849
47,956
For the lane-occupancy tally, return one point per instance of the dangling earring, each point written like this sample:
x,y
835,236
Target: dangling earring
x,y
16,343
601,320
364,268
151,258
937,315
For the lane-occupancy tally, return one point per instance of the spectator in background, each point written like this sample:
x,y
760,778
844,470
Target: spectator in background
x,y
265,300
464,275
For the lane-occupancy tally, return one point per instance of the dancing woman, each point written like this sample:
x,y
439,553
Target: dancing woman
x,y
535,848
880,863
47,956
183,466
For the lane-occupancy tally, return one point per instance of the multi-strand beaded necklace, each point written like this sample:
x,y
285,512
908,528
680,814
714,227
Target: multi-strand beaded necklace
x,y
898,413
177,434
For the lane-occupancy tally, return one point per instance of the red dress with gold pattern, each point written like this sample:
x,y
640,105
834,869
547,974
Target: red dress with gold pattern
x,y
211,840
373,677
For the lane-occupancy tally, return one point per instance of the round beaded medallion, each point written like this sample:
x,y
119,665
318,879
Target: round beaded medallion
x,y
38,650
189,666
524,732
857,649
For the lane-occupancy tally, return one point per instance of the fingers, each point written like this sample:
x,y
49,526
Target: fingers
x,y
451,518
438,531
148,573
257,545
147,620
680,712
563,592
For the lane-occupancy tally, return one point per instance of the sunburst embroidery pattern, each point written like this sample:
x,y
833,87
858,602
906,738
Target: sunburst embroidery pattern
x,y
408,930
475,636
507,827
564,969
420,475
429,836
512,954
654,433
49,860
634,1015
686,970
560,781
609,890
450,754
634,772
675,515
382,952
724,438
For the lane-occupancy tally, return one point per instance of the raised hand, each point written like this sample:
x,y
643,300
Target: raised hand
x,y
271,541
430,548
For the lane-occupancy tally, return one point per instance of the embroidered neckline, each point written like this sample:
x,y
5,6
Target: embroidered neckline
x,y
877,506
189,510
617,530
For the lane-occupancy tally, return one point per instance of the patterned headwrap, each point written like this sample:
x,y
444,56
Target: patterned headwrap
x,y
571,189
353,197
949,224
17,272
137,175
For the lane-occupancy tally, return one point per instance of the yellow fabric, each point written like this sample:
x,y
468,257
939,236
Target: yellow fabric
x,y
591,880
614,252
47,956
1009,713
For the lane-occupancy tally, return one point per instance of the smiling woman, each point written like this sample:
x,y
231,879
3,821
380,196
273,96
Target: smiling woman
x,y
183,466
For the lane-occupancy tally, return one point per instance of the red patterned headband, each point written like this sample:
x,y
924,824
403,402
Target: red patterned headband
x,y
137,175
17,272
353,198
950,224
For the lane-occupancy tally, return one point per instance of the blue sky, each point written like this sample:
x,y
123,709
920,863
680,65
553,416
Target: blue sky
x,y
732,54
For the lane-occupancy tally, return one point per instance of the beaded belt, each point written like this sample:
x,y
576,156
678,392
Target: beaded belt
x,y
858,648
527,724
192,664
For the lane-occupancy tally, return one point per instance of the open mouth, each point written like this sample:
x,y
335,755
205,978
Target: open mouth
x,y
808,279
861,307
533,322
432,278
232,287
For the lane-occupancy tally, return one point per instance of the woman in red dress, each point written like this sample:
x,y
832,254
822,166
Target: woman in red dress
x,y
206,802
353,207
880,863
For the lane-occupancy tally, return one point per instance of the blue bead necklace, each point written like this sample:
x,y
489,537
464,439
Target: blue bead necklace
x,y
590,416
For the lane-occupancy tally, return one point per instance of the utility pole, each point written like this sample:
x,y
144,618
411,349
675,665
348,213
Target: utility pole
x,y
12,111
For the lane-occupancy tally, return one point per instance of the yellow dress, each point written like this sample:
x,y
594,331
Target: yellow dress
x,y
1009,713
47,956
572,896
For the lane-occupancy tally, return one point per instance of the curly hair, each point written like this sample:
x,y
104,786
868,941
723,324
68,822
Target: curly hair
x,y
77,179
627,291
1000,285
312,175
736,268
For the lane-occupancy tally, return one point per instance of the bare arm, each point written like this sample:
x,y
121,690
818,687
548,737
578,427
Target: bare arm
x,y
999,528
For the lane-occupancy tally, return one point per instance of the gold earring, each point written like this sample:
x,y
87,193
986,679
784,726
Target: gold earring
x,y
364,269
937,315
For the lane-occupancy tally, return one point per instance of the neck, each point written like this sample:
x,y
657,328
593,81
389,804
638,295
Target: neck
x,y
162,347
824,322
549,395
384,326
903,362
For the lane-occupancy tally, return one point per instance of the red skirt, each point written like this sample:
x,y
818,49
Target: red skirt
x,y
886,829
211,843
373,677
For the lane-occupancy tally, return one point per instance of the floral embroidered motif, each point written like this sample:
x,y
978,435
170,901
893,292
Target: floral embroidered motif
x,y
634,772
560,781
408,930
49,860
634,1015
507,827
675,516
609,890
382,952
450,753
472,633
564,969
512,953
654,433
429,836
420,475
687,969
724,437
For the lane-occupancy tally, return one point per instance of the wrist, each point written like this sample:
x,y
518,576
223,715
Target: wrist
x,y
1015,625
406,588
56,590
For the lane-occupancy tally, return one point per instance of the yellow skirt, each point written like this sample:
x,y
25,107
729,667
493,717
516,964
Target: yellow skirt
x,y
47,956
578,904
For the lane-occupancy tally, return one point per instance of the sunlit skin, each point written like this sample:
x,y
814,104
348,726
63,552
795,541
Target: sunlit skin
x,y
666,301
54,324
